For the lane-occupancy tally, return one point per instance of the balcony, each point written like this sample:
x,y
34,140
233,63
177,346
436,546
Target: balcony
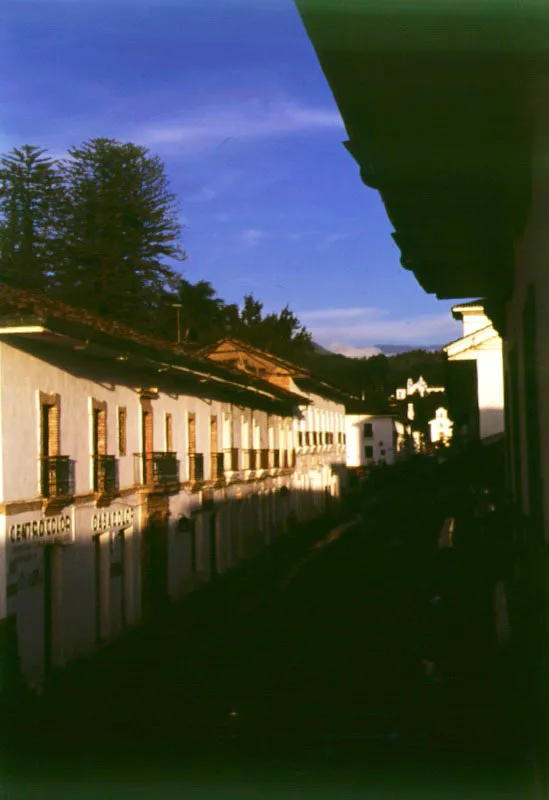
x,y
196,467
159,471
264,458
232,460
105,475
56,477
217,466
250,459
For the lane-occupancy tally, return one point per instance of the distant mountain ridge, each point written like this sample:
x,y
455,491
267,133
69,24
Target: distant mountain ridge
x,y
393,349
352,351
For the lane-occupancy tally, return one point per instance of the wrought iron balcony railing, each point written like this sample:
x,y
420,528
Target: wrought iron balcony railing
x,y
196,467
217,467
232,460
105,475
250,459
159,471
56,479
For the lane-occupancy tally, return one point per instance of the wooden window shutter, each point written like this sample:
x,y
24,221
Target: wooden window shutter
x,y
148,429
99,416
169,433
191,432
50,424
213,434
122,431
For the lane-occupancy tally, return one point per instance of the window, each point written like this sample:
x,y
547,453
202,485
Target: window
x,y
53,468
99,444
368,430
50,428
99,434
213,433
169,434
122,434
300,439
369,451
191,433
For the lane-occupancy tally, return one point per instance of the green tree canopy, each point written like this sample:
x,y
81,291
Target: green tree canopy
x,y
121,228
31,188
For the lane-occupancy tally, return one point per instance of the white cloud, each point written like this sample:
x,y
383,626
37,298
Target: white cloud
x,y
252,236
326,315
222,216
336,237
351,351
359,327
202,196
216,126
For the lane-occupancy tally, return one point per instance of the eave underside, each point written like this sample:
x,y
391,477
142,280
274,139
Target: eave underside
x,y
435,102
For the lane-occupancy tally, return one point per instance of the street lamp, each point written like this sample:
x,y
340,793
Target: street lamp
x,y
177,307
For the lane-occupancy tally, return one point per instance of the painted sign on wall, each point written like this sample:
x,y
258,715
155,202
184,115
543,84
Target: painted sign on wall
x,y
41,528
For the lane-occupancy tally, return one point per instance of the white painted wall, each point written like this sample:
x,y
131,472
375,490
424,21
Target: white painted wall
x,y
490,392
98,586
474,321
440,427
488,353
317,464
22,377
382,441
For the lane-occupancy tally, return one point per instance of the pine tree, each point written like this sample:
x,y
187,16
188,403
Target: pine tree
x,y
122,226
30,222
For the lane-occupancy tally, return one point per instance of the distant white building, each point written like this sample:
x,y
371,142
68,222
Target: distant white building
x,y
418,387
411,399
441,427
371,439
481,343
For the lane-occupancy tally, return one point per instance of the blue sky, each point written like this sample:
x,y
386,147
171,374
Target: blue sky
x,y
231,96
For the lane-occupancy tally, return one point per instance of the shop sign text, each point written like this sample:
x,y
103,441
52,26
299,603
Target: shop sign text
x,y
44,528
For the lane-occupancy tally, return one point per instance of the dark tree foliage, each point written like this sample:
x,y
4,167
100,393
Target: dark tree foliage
x,y
281,334
31,190
374,379
100,230
121,225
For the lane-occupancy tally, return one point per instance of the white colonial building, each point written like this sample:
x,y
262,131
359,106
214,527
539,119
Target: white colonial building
x,y
371,439
132,472
441,427
482,344
318,425
414,431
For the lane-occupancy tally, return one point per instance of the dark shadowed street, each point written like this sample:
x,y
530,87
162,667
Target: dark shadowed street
x,y
317,665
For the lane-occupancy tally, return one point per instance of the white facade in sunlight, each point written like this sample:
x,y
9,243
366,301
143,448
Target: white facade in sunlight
x,y
119,495
318,425
371,439
441,427
481,343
